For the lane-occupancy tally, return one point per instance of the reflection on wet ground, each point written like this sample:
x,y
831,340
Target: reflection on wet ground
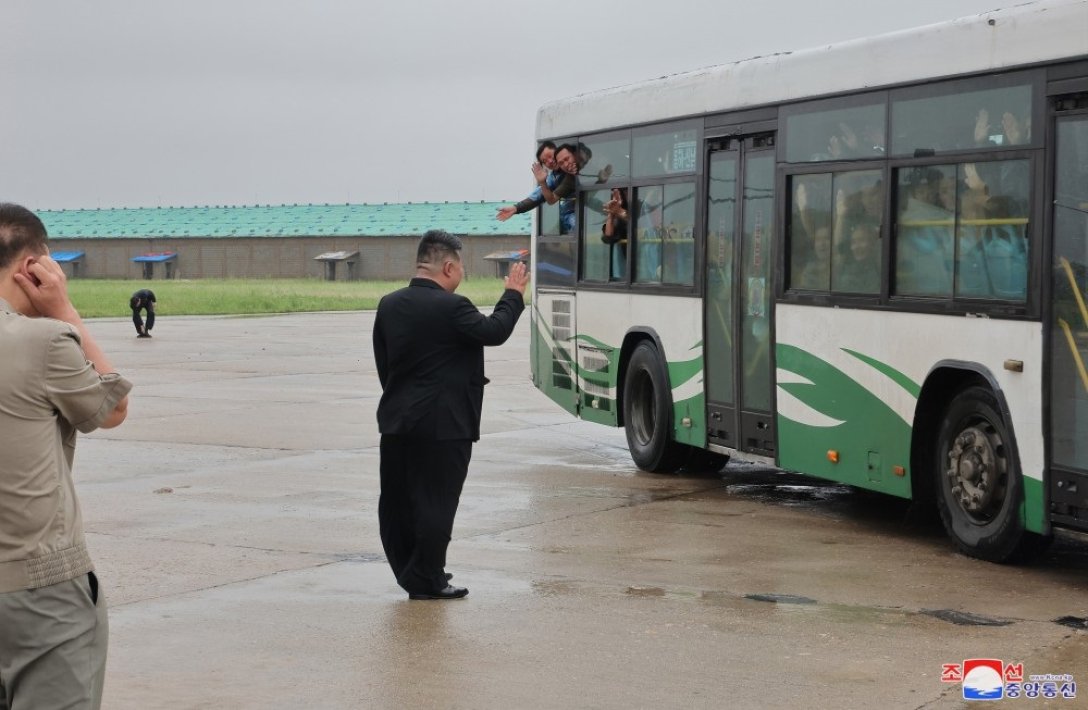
x,y
770,486
259,580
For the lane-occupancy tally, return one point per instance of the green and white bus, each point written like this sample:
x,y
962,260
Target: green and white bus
x,y
866,262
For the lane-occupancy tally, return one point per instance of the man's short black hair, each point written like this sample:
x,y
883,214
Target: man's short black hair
x,y
20,230
438,245
540,149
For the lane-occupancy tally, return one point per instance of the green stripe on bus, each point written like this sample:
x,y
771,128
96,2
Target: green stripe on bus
x,y
900,379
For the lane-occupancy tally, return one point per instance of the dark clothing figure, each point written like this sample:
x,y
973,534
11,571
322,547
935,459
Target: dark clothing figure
x,y
428,347
143,300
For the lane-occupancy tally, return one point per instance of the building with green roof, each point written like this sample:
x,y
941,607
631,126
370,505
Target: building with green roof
x,y
283,241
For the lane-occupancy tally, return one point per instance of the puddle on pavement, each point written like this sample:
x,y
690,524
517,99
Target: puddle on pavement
x,y
964,618
1073,622
780,598
639,591
790,495
775,603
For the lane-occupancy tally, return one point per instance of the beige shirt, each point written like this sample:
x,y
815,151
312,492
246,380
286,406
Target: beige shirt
x,y
48,391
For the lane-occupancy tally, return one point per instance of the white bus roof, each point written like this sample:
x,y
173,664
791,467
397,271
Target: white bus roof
x,y
1026,34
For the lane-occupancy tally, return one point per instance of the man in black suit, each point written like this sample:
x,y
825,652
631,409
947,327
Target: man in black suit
x,y
429,349
144,299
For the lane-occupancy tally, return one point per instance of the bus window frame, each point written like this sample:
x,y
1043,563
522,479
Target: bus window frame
x,y
886,299
691,124
629,284
610,135
1033,151
1030,307
1035,78
631,185
801,108
539,210
583,243
829,298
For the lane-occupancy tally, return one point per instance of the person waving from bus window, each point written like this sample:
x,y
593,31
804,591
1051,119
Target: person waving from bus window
x,y
567,158
571,159
547,174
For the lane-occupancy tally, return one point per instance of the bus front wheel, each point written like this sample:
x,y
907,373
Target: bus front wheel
x,y
647,413
980,487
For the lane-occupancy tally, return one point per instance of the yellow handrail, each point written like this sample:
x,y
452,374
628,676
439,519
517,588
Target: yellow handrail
x,y
1076,353
1008,222
1076,291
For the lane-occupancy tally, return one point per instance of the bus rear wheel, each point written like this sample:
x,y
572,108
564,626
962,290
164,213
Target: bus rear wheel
x,y
647,413
979,485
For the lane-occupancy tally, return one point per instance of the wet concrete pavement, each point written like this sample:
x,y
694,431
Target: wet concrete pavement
x,y
233,519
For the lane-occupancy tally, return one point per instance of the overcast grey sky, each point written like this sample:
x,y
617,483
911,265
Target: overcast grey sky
x,y
128,103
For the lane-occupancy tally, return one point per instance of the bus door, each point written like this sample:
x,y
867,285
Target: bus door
x,y
1069,316
738,332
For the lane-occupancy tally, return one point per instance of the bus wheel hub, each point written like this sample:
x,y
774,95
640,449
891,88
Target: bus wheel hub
x,y
975,469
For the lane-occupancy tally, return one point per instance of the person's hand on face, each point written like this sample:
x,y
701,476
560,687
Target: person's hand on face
x,y
46,287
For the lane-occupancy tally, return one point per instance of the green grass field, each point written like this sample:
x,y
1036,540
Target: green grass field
x,y
95,298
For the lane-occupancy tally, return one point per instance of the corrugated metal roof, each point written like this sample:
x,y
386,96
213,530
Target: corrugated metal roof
x,y
468,218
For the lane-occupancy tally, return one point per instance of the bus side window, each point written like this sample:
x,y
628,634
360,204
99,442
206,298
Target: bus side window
x,y
926,223
855,231
991,234
962,231
596,252
810,233
665,234
549,220
649,226
835,225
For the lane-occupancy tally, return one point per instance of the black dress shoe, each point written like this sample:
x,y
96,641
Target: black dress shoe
x,y
450,592
449,576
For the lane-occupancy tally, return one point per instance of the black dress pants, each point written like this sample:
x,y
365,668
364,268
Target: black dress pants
x,y
421,482
139,323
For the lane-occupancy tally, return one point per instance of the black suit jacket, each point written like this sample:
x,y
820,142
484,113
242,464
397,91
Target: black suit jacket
x,y
429,348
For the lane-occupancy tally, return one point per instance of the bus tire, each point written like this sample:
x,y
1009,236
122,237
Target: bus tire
x,y
979,484
647,413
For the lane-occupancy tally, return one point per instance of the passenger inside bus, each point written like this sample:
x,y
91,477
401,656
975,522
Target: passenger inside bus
x,y
614,233
927,218
1014,130
810,234
817,271
846,144
859,212
992,248
857,268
